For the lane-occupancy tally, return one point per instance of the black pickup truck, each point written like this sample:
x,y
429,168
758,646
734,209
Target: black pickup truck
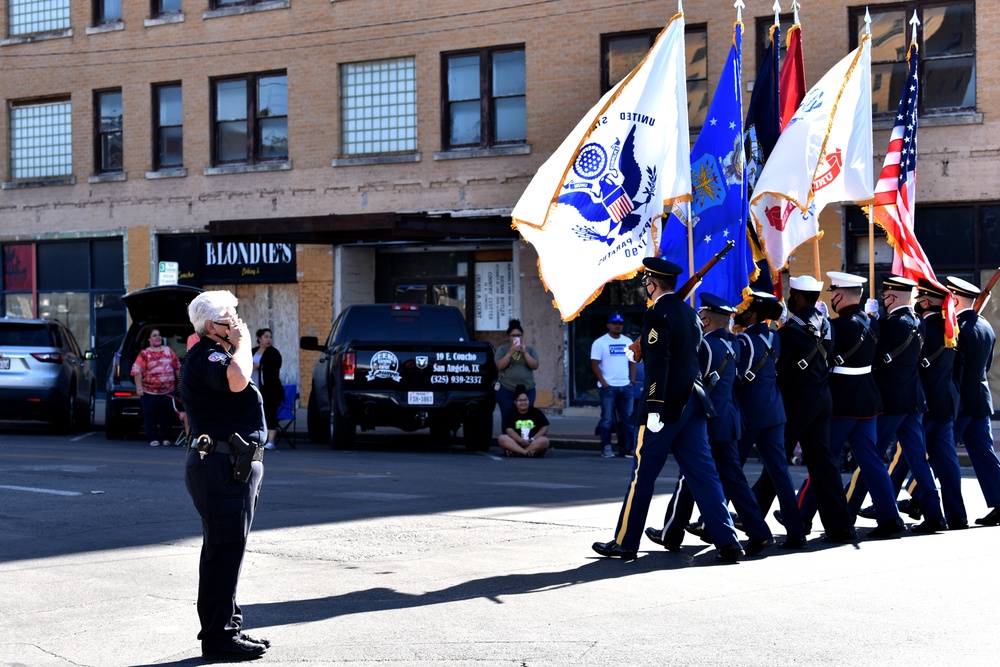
x,y
406,366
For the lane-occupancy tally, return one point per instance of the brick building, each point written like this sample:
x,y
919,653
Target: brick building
x,y
310,154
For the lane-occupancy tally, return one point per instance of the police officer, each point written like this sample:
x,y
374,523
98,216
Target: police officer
x,y
221,400
763,411
975,356
856,401
674,412
718,366
803,379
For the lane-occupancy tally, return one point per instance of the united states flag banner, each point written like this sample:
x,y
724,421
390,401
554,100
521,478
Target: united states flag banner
x,y
895,190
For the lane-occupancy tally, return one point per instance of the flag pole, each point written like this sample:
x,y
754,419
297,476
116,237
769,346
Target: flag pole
x,y
691,253
816,257
869,209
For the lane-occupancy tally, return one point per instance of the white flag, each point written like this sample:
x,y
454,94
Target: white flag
x,y
592,210
824,155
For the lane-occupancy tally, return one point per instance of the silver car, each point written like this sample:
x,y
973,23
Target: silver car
x,y
44,376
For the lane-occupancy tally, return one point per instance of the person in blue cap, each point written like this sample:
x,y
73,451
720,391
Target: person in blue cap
x,y
615,379
718,359
673,419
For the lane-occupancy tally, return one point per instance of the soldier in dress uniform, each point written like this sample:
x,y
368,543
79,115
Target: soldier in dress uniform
x,y
763,411
718,372
675,411
972,427
856,401
803,379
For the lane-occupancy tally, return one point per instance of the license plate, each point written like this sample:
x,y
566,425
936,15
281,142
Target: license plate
x,y
420,397
4,364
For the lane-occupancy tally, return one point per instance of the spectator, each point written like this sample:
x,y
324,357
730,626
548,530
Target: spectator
x,y
266,373
156,371
516,363
615,380
525,428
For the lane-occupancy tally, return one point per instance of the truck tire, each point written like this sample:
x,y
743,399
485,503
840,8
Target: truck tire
x,y
342,430
317,423
478,433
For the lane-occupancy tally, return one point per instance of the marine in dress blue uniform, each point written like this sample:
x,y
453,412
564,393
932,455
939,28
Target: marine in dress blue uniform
x,y
718,360
972,427
220,399
675,413
803,379
856,401
763,411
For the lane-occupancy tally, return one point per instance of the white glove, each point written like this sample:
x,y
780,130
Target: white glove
x,y
821,307
871,308
784,313
629,354
653,422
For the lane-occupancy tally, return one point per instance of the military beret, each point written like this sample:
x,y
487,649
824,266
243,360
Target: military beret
x,y
660,266
962,287
897,283
716,304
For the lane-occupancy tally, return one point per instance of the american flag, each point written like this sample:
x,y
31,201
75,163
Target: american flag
x,y
894,193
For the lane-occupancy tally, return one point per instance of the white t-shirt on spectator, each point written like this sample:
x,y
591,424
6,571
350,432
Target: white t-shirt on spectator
x,y
611,353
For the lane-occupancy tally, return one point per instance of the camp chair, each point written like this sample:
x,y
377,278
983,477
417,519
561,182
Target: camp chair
x,y
286,415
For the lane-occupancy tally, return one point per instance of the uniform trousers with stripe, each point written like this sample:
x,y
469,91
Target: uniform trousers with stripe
x,y
908,430
687,439
734,485
977,436
939,435
770,445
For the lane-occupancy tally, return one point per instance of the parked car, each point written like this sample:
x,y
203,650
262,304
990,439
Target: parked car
x,y
406,366
163,308
44,375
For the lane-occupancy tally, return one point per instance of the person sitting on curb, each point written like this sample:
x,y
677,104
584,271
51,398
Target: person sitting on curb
x,y
524,429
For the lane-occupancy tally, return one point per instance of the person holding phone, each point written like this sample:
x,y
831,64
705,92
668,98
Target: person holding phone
x,y
516,363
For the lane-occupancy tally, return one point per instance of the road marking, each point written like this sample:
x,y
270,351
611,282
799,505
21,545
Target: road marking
x,y
53,492
82,436
363,495
540,485
490,456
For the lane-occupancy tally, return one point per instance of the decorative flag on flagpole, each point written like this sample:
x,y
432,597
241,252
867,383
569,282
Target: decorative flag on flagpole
x,y
593,209
824,155
719,206
793,75
895,194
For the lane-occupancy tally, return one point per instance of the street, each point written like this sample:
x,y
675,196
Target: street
x,y
409,552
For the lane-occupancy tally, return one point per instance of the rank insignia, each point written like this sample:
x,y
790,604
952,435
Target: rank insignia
x,y
652,388
652,337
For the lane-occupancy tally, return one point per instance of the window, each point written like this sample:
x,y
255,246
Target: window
x,y
485,98
107,11
108,131
161,7
947,40
25,17
41,140
168,126
621,52
763,25
250,119
378,102
218,4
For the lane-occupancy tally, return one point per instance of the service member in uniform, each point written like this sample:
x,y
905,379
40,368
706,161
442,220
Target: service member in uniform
x,y
975,356
224,468
675,412
803,379
763,411
856,401
718,371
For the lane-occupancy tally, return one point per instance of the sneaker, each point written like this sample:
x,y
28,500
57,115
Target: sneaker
x,y
269,445
607,452
154,443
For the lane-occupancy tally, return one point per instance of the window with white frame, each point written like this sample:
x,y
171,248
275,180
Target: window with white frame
x,y
26,17
41,140
378,106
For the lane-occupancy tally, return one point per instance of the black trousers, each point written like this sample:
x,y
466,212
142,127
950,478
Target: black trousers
x,y
227,509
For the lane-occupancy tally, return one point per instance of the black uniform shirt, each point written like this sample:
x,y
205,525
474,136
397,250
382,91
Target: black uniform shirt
x,y
854,396
211,407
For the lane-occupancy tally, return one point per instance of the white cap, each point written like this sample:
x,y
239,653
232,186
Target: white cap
x,y
805,284
841,279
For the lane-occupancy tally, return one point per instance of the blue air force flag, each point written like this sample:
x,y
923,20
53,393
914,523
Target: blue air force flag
x,y
592,210
719,208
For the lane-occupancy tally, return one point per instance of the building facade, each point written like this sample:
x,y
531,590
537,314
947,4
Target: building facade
x,y
312,154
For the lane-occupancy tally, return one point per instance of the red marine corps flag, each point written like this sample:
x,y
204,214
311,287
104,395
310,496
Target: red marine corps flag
x,y
894,192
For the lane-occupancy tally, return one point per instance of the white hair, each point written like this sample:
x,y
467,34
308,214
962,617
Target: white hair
x,y
210,306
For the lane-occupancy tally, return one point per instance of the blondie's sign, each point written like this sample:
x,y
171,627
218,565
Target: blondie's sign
x,y
203,261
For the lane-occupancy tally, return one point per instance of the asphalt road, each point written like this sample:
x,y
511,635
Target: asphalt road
x,y
408,552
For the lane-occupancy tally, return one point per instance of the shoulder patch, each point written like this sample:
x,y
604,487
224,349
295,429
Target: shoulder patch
x,y
217,356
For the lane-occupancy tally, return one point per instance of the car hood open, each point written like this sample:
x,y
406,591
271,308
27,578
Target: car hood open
x,y
163,303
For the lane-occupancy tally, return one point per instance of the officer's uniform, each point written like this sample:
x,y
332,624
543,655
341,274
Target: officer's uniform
x,y
803,374
763,411
972,427
226,505
671,335
718,360
856,402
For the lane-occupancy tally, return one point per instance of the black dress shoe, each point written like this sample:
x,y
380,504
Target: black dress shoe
x,y
263,641
754,547
867,512
991,519
931,526
613,550
233,649
698,530
910,507
958,524
843,536
656,535
887,529
793,543
808,525
730,553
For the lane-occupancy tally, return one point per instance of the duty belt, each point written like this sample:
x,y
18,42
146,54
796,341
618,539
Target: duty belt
x,y
851,370
206,444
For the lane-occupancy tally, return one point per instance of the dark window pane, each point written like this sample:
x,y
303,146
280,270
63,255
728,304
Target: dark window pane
x,y
63,266
169,6
274,138
697,102
272,96
111,151
989,234
889,35
624,53
111,112
107,264
232,141
950,83
465,123
171,148
947,235
463,78
170,105
231,100
948,30
887,86
511,123
508,73
696,52
109,10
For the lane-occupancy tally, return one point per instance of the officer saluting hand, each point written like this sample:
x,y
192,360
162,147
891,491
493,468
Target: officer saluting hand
x,y
224,466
